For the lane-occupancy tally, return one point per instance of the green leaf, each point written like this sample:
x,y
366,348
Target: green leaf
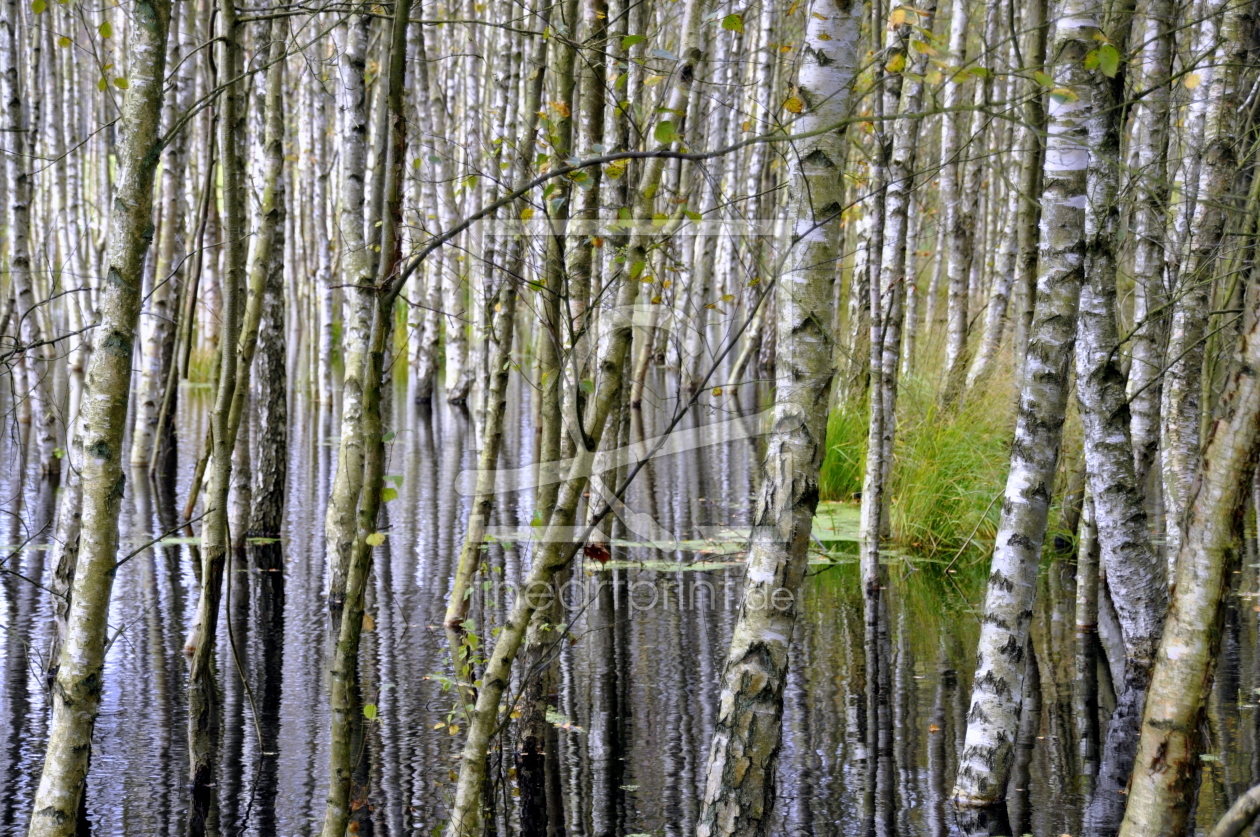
x,y
39,6
389,437
63,41
121,83
1043,79
587,385
1108,60
636,269
536,520
375,539
101,84
630,40
106,30
733,23
369,711
388,494
664,133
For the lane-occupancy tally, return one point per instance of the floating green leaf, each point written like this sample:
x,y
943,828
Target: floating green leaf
x,y
664,132
733,23
106,30
369,711
630,40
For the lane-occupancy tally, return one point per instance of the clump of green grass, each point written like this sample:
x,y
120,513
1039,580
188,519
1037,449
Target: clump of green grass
x,y
840,477
949,465
201,365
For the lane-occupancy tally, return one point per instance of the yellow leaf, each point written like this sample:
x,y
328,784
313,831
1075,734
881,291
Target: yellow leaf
x,y
897,17
369,624
1192,81
794,105
63,41
785,48
527,213
375,539
717,391
897,63
561,108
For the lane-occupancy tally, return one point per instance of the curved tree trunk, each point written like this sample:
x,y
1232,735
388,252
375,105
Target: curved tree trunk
x,y
555,552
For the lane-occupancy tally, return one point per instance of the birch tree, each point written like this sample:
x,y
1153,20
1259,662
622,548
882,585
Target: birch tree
x,y
740,789
99,437
997,691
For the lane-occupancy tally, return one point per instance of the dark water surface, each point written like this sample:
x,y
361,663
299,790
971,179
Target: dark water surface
x,y
636,702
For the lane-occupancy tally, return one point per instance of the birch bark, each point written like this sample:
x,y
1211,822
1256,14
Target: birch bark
x,y
555,552
76,695
271,392
740,789
997,691
356,276
1135,575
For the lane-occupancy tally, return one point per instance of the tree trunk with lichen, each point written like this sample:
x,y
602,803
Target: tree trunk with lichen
x,y
76,694
1161,790
346,726
555,550
215,530
740,790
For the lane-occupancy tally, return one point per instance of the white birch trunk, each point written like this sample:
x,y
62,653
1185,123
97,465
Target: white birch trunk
x,y
740,789
997,691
